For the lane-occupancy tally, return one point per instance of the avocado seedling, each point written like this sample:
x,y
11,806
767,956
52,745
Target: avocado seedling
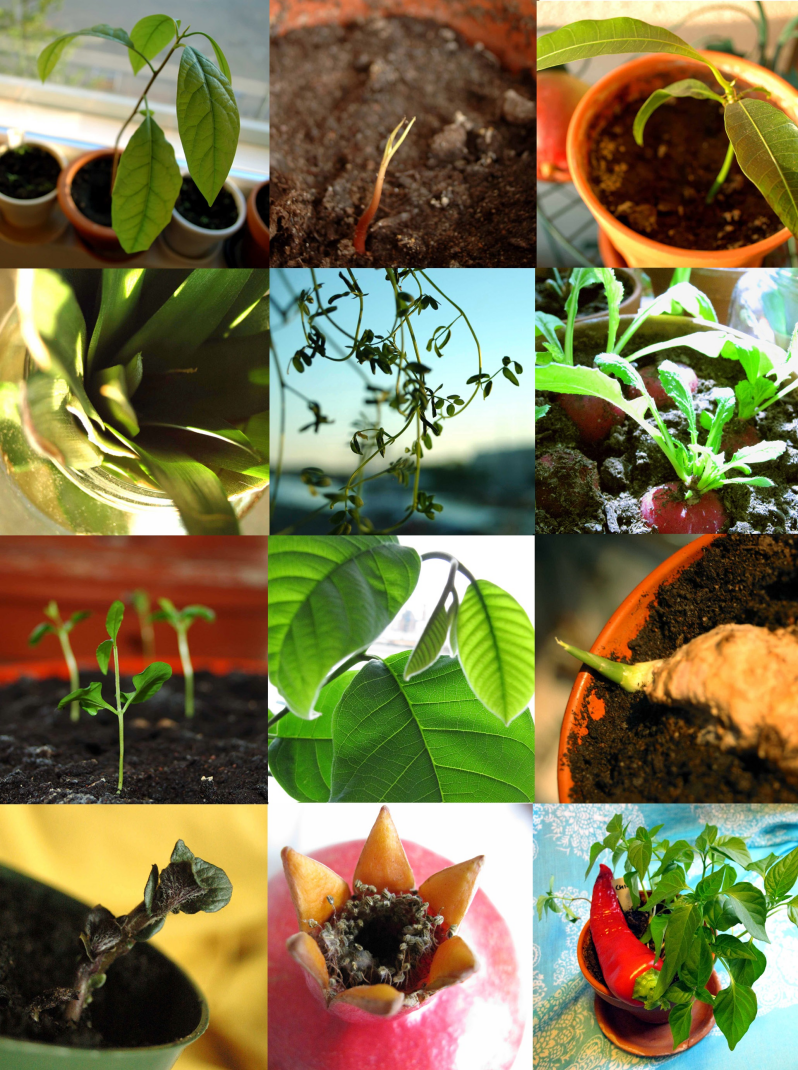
x,y
181,620
61,629
146,684
392,146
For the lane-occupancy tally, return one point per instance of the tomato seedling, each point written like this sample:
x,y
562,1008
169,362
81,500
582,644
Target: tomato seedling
x,y
145,684
181,620
61,629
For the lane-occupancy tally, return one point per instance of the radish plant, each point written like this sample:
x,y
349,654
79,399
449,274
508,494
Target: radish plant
x,y
61,629
181,620
145,684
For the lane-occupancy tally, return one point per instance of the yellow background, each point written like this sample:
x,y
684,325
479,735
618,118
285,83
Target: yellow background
x,y
103,854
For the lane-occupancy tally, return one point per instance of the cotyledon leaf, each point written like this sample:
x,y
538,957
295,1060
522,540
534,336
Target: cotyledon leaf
x,y
300,758
426,740
765,143
496,648
207,120
329,598
147,184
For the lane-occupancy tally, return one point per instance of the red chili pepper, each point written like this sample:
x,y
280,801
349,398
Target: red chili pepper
x,y
623,958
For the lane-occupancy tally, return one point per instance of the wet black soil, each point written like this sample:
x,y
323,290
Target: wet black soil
x,y
643,752
28,172
262,202
621,468
659,189
144,1001
592,299
219,756
637,920
460,190
192,206
91,190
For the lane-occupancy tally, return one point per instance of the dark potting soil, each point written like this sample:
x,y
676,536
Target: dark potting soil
x,y
460,190
592,299
659,189
91,190
192,206
262,203
615,474
28,172
637,920
643,752
39,952
219,756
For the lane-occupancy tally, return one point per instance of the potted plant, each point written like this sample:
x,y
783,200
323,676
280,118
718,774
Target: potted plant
x,y
757,139
256,242
122,200
552,288
727,400
28,178
654,936
197,229
433,972
102,1005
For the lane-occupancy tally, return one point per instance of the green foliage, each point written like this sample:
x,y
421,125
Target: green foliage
x,y
181,620
147,182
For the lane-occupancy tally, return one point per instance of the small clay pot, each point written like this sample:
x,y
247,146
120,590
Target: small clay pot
x,y
35,211
256,242
195,242
99,239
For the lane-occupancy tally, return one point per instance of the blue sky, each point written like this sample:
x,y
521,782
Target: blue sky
x,y
499,303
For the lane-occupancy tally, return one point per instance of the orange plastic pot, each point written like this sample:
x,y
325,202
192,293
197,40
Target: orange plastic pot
x,y
505,27
637,250
56,667
256,241
99,239
625,623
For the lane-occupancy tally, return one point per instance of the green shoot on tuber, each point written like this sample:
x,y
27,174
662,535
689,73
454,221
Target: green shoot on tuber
x,y
392,146
146,684
62,629
181,620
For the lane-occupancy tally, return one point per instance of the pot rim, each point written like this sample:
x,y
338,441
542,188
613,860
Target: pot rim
x,y
56,667
253,215
34,202
241,209
61,1051
577,129
67,202
612,639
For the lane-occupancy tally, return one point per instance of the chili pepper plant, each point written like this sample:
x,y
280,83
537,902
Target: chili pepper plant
x,y
415,725
423,411
701,912
62,629
146,179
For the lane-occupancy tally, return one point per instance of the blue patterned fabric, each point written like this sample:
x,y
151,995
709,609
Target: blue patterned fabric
x,y
566,1035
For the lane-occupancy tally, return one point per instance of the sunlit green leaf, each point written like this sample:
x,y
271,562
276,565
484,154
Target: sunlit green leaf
x,y
148,181
765,143
50,55
208,121
150,36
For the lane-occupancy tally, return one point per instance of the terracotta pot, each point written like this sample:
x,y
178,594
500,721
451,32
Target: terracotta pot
x,y
99,239
624,624
256,240
33,212
195,242
637,250
504,27
634,1028
628,306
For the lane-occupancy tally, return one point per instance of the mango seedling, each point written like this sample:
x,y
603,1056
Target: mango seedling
x,y
61,629
181,620
146,684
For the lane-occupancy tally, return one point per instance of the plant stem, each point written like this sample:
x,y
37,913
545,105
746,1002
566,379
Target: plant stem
x,y
277,717
188,670
74,676
440,555
721,174
630,677
120,718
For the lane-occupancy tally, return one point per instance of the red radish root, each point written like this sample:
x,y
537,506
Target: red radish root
x,y
650,377
594,417
665,511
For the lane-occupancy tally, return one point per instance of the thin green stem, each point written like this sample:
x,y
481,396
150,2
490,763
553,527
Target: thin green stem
x,y
440,555
188,669
74,676
721,174
121,718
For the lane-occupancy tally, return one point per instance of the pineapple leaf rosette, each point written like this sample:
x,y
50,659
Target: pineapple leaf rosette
x,y
157,376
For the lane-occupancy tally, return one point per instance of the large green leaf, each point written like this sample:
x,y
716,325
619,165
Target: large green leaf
x,y
150,35
51,54
608,37
428,739
765,143
496,648
300,758
207,120
147,184
565,379
195,490
119,301
750,906
735,1009
329,598
782,875
110,389
432,639
684,920
687,87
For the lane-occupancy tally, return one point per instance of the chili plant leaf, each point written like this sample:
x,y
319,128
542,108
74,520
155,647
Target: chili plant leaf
x,y
696,969
658,925
684,920
765,143
687,87
150,36
207,120
640,855
608,37
104,651
50,55
782,875
735,1009
191,613
426,740
716,882
749,968
732,847
496,648
114,619
668,887
300,758
329,598
148,181
680,1018
150,682
750,906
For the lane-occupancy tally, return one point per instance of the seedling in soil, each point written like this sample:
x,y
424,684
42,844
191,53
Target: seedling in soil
x,y
181,620
188,885
141,604
392,146
146,179
146,684
62,629
761,136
